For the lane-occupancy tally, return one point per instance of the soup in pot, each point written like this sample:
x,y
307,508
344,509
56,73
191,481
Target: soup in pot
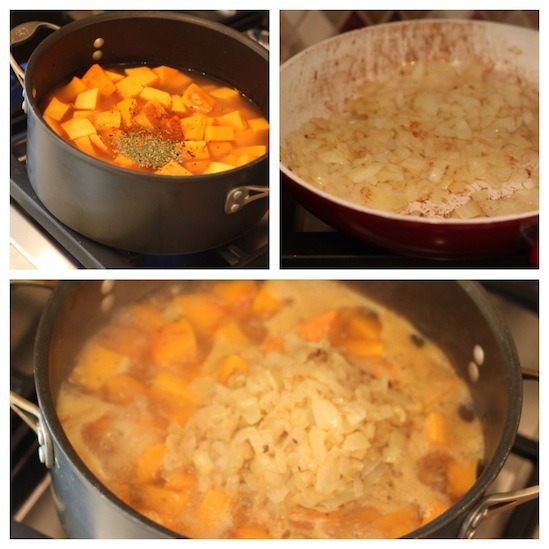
x,y
158,119
276,409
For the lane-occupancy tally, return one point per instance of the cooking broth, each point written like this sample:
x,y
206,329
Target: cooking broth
x,y
278,409
158,119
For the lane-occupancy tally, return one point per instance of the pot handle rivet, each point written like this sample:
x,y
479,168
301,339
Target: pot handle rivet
x,y
239,197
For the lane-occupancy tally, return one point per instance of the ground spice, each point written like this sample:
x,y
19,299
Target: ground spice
x,y
147,149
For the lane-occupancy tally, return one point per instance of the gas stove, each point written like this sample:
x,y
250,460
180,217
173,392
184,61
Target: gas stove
x,y
44,242
33,512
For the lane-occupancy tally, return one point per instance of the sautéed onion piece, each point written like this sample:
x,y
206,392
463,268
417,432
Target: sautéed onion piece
x,y
158,119
436,140
281,409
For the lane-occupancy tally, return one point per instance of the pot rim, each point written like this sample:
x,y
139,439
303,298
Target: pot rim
x,y
91,20
529,215
472,289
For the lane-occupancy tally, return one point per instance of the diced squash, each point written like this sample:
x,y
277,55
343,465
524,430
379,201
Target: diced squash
x,y
240,160
125,162
194,126
145,75
318,327
258,124
461,476
95,365
437,428
143,120
202,310
77,127
154,94
178,106
54,125
98,142
216,167
114,76
147,315
364,348
127,108
69,92
224,92
171,79
245,138
173,168
96,77
181,482
123,388
265,303
220,149
231,365
273,345
219,133
57,109
107,119
84,144
196,99
147,466
171,386
363,325
193,150
254,150
212,508
129,87
174,342
87,99
233,119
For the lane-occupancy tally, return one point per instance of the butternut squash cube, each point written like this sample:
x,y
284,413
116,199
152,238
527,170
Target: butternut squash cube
x,y
173,168
231,365
143,121
203,310
194,126
96,77
220,149
69,92
177,104
224,93
234,119
107,119
77,127
219,133
114,76
216,167
129,87
145,75
87,99
174,342
54,125
171,79
57,109
127,108
240,160
95,365
258,124
84,144
125,162
245,138
154,94
171,386
196,99
98,143
147,466
193,150
253,150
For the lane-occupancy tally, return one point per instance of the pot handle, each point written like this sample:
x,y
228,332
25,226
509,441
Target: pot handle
x,y
30,413
496,503
239,197
20,34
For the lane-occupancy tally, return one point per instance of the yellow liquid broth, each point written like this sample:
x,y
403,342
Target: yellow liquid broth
x,y
272,410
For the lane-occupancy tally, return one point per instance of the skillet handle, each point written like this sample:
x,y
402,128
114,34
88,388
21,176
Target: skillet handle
x,y
496,503
239,197
21,34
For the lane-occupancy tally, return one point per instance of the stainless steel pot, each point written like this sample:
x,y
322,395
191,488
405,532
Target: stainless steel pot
x,y
126,209
455,315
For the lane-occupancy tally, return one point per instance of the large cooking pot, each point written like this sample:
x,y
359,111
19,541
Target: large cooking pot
x,y
321,78
133,210
455,315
